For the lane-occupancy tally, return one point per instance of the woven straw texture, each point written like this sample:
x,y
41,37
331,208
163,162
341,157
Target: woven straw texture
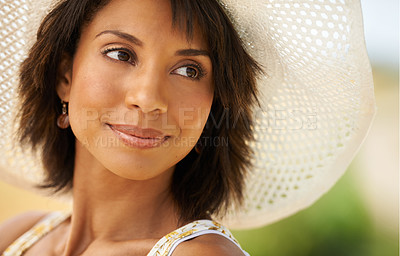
x,y
317,97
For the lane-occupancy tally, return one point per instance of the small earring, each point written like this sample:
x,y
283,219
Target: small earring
x,y
63,119
199,144
197,149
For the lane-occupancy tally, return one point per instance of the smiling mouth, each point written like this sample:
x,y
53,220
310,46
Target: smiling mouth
x,y
135,137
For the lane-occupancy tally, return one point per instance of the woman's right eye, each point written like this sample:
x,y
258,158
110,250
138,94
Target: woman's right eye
x,y
118,54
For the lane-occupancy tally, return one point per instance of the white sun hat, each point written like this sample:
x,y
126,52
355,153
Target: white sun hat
x,y
317,98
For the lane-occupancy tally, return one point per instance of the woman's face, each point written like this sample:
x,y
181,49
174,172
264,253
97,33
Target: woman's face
x,y
139,91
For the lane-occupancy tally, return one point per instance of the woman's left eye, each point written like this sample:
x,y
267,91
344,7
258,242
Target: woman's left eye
x,y
189,71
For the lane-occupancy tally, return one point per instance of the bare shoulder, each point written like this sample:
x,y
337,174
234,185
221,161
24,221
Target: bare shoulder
x,y
13,228
208,245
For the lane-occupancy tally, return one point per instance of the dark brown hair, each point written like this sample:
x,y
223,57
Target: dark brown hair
x,y
203,184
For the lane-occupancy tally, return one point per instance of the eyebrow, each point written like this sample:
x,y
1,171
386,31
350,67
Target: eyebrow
x,y
122,35
192,52
135,40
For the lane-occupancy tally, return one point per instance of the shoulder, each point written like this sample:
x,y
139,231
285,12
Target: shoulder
x,y
208,245
12,229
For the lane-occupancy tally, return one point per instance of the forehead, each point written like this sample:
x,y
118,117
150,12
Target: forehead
x,y
143,18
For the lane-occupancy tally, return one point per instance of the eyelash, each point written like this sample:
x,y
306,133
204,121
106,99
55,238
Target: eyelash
x,y
132,58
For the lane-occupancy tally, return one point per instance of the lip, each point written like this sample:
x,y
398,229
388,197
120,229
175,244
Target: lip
x,y
136,137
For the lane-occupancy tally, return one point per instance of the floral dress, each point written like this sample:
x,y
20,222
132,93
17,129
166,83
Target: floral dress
x,y
164,247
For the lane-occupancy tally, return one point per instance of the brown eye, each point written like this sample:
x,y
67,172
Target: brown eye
x,y
119,55
189,72
123,56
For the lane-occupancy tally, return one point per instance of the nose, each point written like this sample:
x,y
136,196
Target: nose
x,y
147,92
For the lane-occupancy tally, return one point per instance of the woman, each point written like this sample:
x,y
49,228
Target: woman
x,y
138,80
143,110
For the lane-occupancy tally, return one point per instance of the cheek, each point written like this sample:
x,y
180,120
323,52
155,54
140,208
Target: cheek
x,y
87,98
93,90
193,109
92,85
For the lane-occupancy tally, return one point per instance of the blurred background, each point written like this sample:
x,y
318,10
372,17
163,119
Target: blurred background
x,y
359,216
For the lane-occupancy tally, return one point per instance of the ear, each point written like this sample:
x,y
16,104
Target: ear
x,y
64,77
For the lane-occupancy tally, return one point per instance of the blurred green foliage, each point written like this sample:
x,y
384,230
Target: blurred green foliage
x,y
336,225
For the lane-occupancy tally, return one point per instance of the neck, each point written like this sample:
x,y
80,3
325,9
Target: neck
x,y
107,207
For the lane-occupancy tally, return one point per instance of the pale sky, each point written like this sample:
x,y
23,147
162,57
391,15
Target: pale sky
x,y
381,26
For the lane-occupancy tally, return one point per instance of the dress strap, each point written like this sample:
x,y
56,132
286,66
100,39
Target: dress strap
x,y
24,242
166,245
